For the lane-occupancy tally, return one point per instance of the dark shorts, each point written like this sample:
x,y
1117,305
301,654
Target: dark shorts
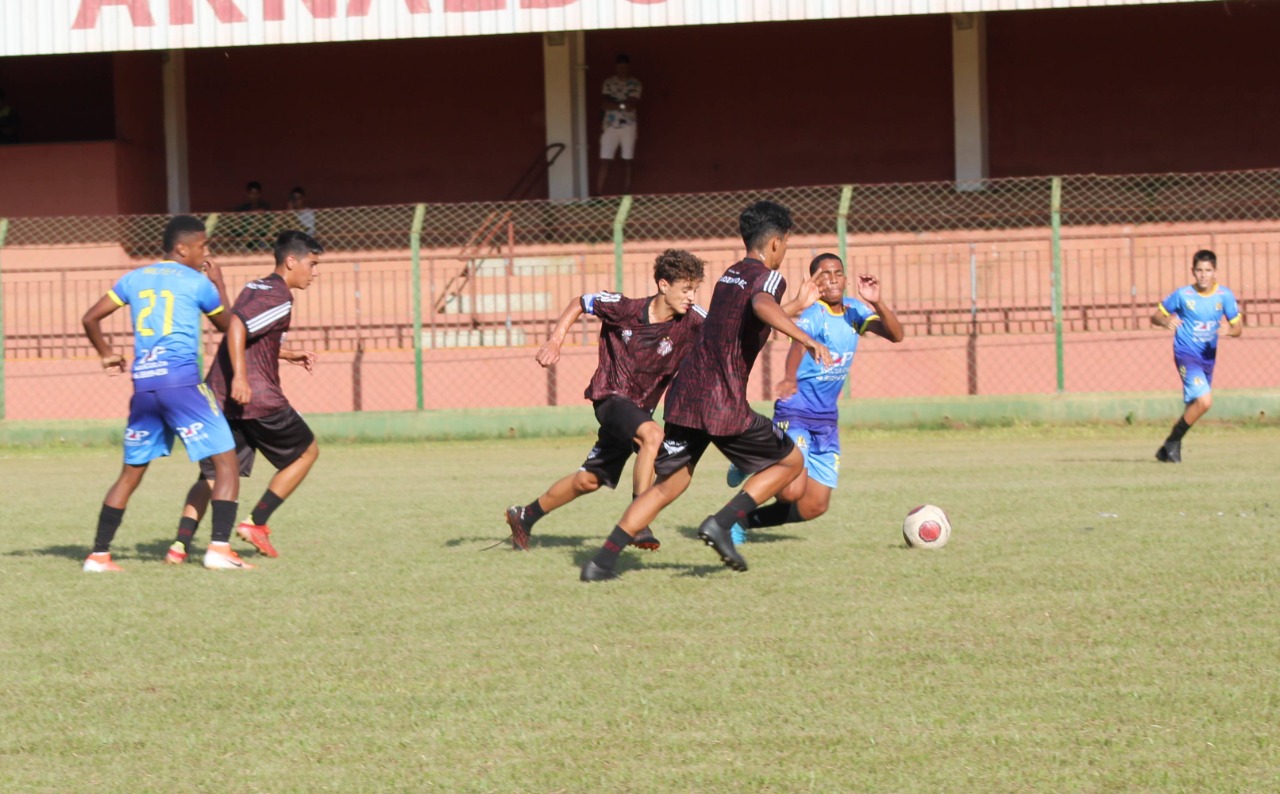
x,y
281,437
619,420
757,448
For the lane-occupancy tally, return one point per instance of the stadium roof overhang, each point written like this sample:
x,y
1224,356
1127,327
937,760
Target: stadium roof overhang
x,y
44,27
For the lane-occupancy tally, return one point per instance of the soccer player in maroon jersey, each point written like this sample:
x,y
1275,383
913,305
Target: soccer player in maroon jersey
x,y
642,342
707,403
245,377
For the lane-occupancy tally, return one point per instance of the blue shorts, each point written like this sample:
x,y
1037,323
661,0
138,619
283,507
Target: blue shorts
x,y
821,447
1196,374
188,412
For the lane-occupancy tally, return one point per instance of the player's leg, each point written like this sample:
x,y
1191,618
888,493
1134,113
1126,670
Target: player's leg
x,y
773,460
145,439
609,142
193,413
648,442
809,494
201,492
674,468
287,442
1196,395
628,135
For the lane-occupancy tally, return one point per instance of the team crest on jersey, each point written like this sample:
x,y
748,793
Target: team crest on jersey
x,y
1191,304
626,336
665,346
257,285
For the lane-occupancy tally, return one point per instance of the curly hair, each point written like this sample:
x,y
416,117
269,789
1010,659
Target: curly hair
x,y
674,265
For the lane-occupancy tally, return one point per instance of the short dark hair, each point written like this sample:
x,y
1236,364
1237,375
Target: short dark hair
x,y
253,186
820,258
299,191
622,58
1204,255
674,265
178,227
763,220
296,244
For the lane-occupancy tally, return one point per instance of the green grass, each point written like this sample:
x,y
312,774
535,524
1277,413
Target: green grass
x,y
1099,623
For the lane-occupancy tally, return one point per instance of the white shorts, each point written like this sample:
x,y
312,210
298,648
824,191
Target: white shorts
x,y
613,137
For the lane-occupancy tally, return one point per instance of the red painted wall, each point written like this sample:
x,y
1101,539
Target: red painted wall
x,y
58,179
61,97
1130,90
139,123
391,122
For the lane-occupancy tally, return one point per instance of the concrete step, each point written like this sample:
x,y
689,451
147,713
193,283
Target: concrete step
x,y
501,303
482,337
527,266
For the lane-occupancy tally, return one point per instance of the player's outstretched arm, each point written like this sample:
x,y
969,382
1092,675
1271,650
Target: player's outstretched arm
x,y
214,273
303,358
809,293
237,336
549,353
787,386
771,313
888,325
112,362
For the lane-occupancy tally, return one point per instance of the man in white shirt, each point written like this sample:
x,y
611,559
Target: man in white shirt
x,y
619,97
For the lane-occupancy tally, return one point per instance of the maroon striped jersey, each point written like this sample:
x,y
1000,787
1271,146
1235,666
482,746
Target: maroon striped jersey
x,y
265,306
710,390
637,357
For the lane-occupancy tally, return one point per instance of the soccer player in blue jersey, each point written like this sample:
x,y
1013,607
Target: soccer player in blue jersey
x,y
1194,313
806,407
166,300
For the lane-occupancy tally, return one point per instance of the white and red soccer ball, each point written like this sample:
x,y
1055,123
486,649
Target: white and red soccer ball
x,y
926,527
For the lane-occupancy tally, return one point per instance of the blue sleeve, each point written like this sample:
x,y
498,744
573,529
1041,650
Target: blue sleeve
x,y
601,304
120,292
210,300
1229,307
1173,303
858,314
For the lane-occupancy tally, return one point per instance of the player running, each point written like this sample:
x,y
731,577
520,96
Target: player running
x,y
806,407
166,300
642,342
245,377
1194,313
708,404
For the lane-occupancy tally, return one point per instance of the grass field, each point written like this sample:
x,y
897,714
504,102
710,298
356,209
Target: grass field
x,y
1099,623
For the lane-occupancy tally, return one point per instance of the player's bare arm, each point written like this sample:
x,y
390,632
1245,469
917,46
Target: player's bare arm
x,y
810,291
214,273
549,353
1235,327
787,386
237,337
302,358
770,312
1162,319
112,362
888,325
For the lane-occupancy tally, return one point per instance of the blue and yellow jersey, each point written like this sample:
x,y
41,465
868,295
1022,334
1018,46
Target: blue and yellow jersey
x,y
165,301
818,387
1201,314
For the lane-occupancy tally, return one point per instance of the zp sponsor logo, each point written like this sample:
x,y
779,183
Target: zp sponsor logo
x,y
134,436
193,432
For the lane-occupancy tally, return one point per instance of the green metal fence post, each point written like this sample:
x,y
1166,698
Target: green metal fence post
x,y
1055,225
619,222
842,222
4,232
415,243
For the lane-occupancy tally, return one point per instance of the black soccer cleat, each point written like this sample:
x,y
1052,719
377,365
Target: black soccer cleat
x,y
1170,452
720,539
519,529
644,539
597,573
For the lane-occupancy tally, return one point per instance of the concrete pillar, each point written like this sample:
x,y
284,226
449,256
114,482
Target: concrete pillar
x,y
177,179
564,80
969,94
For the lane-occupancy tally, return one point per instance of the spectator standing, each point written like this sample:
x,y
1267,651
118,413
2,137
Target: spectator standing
x,y
306,216
620,96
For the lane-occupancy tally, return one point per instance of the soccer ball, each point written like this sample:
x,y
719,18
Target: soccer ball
x,y
926,527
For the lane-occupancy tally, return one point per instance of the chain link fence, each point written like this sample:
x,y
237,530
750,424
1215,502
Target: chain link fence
x,y
1014,286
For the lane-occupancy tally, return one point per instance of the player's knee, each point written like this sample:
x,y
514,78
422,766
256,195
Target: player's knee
x,y
586,482
649,435
810,509
312,452
1205,401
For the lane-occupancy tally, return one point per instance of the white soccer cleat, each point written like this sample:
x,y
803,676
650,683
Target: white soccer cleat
x,y
221,557
100,562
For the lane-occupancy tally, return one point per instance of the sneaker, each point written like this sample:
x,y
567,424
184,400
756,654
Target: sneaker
x,y
221,557
718,538
1170,452
177,554
738,534
258,535
519,529
100,562
596,573
644,539
735,476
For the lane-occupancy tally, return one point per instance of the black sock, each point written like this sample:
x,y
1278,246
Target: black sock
x,y
224,515
774,515
109,519
266,506
187,530
532,512
736,511
1179,430
608,554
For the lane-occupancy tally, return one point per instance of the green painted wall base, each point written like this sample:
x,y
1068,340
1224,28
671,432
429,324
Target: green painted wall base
x,y
1160,407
